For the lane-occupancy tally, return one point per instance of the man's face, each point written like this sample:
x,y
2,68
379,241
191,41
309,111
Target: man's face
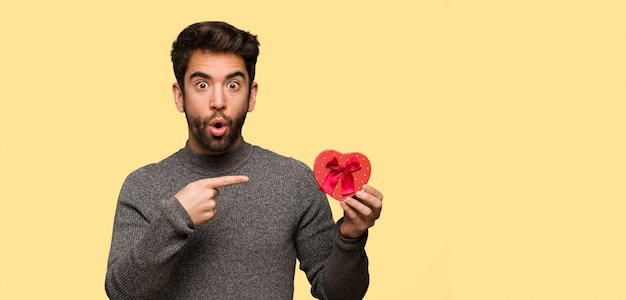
x,y
216,99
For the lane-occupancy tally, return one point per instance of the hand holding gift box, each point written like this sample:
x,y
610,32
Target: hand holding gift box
x,y
343,176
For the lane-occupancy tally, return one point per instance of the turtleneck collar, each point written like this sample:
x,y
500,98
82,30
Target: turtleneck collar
x,y
216,165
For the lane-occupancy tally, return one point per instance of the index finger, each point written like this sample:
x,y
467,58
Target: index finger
x,y
217,182
373,191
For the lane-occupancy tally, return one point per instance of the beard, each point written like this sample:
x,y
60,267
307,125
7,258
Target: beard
x,y
200,129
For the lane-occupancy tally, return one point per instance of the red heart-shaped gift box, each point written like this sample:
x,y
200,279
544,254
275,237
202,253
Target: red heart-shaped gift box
x,y
341,175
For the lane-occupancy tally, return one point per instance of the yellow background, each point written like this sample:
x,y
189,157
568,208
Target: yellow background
x,y
496,130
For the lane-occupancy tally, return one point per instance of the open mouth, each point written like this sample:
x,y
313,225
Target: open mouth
x,y
218,127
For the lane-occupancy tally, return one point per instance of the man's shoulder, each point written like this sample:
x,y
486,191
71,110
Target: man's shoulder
x,y
277,160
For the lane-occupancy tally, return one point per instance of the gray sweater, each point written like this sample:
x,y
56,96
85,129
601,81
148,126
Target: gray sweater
x,y
248,251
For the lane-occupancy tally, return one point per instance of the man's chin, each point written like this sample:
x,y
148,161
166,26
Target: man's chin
x,y
218,145
215,145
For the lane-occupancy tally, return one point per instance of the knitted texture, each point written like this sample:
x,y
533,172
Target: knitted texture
x,y
248,250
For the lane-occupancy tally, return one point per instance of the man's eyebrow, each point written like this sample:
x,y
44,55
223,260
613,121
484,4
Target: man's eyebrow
x,y
235,74
207,76
199,74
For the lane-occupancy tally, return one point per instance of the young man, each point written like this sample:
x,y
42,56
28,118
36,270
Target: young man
x,y
221,218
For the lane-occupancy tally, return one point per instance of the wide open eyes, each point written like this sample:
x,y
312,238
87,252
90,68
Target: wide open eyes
x,y
233,85
202,85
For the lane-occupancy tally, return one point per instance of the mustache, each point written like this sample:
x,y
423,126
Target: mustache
x,y
215,115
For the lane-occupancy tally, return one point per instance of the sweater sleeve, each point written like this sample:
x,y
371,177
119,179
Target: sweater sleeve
x,y
336,267
146,237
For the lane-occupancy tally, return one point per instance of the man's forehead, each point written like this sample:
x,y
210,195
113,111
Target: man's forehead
x,y
212,57
216,64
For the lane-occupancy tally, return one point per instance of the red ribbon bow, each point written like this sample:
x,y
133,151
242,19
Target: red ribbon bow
x,y
343,171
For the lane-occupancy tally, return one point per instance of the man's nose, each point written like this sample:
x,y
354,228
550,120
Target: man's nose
x,y
219,100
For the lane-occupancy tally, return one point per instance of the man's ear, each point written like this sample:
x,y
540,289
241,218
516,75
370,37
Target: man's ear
x,y
178,97
252,101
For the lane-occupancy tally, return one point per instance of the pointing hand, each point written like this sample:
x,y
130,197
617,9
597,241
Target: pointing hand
x,y
198,197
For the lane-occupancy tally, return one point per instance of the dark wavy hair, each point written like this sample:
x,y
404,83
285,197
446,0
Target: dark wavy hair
x,y
213,36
